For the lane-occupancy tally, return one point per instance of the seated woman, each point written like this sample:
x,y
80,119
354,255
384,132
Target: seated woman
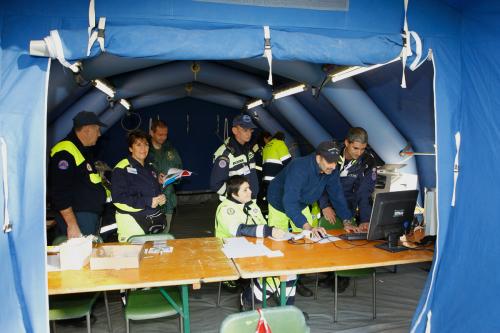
x,y
239,215
136,192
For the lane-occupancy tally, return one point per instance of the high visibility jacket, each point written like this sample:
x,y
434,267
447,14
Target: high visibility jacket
x,y
237,219
73,179
231,159
275,157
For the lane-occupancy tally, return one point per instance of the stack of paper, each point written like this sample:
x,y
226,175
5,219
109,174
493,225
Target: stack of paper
x,y
239,247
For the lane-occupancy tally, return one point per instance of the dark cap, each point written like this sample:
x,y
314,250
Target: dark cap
x,y
243,120
87,118
329,150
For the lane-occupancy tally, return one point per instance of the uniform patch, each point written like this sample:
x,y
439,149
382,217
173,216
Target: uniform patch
x,y
132,170
89,167
170,155
255,210
230,211
63,165
222,164
374,174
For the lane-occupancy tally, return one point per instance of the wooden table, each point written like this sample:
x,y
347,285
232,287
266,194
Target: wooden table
x,y
192,262
316,258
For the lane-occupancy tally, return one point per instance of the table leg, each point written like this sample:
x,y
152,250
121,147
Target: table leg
x,y
185,308
282,292
264,293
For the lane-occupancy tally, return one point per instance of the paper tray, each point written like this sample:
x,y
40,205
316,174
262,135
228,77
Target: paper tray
x,y
116,256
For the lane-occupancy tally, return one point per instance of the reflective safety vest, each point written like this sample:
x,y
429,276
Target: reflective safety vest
x,y
241,164
71,148
230,215
274,157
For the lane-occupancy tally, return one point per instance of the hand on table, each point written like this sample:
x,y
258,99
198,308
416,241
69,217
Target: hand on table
x,y
329,214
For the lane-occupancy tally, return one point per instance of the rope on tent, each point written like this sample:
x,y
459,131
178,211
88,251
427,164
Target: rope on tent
x,y
7,226
93,33
268,53
456,168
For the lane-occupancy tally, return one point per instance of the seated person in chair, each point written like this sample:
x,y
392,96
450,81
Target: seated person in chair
x,y
136,192
239,215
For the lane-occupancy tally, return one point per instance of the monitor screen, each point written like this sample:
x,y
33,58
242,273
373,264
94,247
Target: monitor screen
x,y
392,214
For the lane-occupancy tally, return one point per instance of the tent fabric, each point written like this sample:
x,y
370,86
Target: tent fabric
x,y
463,37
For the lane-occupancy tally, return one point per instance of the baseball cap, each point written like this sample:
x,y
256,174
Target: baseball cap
x,y
329,150
87,118
244,121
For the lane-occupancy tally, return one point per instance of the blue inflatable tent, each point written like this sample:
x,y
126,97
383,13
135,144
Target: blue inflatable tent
x,y
460,38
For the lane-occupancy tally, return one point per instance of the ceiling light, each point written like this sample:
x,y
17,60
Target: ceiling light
x,y
104,87
126,104
290,91
342,72
254,104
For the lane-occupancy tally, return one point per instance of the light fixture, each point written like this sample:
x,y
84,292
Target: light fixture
x,y
343,72
126,104
104,87
290,91
254,103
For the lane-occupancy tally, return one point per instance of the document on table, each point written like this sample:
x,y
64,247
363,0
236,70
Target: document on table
x,y
240,247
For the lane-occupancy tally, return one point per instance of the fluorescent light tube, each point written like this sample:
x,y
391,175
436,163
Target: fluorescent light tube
x,y
104,87
126,104
342,72
290,91
254,104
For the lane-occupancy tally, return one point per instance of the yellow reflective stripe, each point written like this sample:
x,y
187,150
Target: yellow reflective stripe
x,y
95,178
126,208
70,148
122,164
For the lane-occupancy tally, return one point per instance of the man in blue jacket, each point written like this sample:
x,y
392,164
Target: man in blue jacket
x,y
300,184
358,174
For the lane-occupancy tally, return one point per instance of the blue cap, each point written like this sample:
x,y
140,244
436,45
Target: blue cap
x,y
87,118
243,120
329,150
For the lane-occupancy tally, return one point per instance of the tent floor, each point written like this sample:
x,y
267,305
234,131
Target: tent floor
x,y
397,295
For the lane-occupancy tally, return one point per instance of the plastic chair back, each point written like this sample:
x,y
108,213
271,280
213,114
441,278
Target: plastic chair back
x,y
287,319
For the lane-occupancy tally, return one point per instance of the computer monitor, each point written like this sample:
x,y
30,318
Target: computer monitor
x,y
392,215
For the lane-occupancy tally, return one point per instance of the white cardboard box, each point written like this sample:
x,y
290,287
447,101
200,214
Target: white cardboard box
x,y
116,256
75,253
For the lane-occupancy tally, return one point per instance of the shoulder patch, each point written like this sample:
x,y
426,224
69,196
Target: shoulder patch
x,y
222,163
230,211
89,167
63,165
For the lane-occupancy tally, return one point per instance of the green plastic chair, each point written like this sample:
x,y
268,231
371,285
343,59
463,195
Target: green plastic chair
x,y
73,306
147,304
287,319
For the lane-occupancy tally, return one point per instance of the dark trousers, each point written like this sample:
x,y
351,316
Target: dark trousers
x,y
88,222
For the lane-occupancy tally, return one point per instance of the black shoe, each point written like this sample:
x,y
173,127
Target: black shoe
x,y
343,284
303,290
306,316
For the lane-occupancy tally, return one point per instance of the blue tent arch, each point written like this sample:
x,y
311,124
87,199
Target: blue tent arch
x,y
463,37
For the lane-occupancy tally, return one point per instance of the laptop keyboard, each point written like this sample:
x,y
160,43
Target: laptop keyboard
x,y
354,236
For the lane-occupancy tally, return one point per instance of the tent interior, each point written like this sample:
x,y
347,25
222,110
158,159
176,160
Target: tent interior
x,y
198,100
195,63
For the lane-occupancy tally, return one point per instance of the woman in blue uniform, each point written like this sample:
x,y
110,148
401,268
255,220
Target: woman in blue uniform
x,y
136,191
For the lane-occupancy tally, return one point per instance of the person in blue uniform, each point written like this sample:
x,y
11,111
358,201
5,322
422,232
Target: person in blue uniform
x,y
235,157
358,175
136,191
300,184
239,215
75,187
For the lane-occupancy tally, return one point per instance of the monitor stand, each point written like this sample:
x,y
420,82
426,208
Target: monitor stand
x,y
392,244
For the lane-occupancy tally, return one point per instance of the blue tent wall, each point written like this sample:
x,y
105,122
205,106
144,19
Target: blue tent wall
x,y
464,44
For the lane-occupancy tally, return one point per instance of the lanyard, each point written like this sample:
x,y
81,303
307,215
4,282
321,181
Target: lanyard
x,y
344,169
